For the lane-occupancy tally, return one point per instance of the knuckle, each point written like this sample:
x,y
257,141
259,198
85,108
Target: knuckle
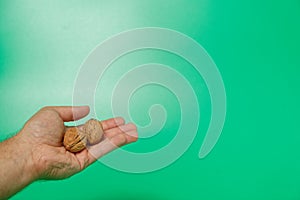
x,y
120,140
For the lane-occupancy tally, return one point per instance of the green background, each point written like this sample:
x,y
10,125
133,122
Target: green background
x,y
255,45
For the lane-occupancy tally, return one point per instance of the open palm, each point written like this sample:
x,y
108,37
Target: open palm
x,y
45,132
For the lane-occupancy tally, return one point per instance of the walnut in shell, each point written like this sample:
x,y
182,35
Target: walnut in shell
x,y
94,131
75,139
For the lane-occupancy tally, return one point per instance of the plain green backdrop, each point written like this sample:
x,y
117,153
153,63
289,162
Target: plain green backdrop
x,y
255,45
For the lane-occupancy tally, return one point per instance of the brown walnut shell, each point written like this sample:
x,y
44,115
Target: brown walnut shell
x,y
94,131
74,140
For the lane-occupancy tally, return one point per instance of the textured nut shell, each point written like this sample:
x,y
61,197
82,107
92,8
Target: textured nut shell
x,y
94,131
74,140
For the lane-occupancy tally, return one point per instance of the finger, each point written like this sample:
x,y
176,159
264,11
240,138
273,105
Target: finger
x,y
118,130
105,147
110,144
112,123
70,113
131,136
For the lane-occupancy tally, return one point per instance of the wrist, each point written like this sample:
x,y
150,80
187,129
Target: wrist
x,y
17,168
24,150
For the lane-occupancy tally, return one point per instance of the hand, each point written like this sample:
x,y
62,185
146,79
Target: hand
x,y
44,135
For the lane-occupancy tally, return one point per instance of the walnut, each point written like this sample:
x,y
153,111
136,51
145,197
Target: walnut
x,y
77,138
74,140
93,130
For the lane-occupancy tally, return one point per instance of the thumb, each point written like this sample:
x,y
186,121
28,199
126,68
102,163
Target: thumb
x,y
71,113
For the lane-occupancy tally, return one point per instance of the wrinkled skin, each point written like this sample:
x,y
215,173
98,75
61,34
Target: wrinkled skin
x,y
37,151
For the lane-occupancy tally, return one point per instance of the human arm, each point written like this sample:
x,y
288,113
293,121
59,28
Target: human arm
x,y
37,152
